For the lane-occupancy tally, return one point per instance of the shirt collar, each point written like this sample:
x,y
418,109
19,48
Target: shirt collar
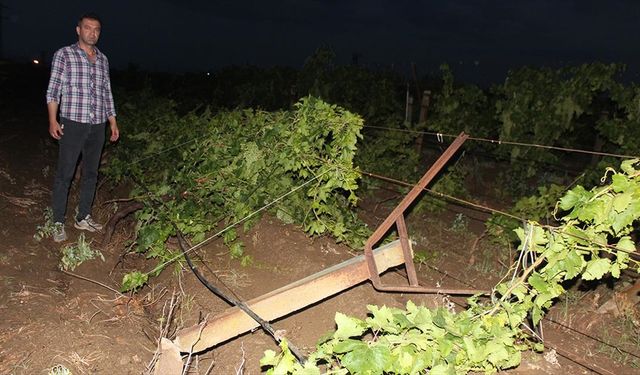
x,y
76,46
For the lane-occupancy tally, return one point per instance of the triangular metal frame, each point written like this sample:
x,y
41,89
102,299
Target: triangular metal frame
x,y
397,217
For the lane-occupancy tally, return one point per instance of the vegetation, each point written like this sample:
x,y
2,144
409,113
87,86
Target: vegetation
x,y
591,241
46,229
219,164
198,171
74,255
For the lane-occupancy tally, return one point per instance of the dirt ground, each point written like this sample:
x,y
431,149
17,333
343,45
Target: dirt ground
x,y
52,318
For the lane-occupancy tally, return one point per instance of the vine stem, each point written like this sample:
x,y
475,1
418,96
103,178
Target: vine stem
x,y
518,282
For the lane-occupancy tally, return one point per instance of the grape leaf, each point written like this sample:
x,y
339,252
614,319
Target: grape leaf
x,y
348,326
367,360
596,269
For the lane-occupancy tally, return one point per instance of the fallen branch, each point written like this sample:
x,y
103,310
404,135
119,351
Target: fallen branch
x,y
93,281
123,212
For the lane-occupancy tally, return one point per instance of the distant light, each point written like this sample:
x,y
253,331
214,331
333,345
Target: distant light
x,y
36,61
208,74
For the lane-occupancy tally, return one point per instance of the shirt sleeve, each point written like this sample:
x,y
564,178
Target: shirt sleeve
x,y
54,90
110,106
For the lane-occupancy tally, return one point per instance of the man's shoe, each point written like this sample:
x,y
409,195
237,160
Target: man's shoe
x,y
88,224
59,233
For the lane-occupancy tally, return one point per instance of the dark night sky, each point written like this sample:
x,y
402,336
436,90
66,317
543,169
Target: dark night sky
x,y
480,39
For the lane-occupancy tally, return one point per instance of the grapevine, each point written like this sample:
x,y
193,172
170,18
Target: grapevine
x,y
207,169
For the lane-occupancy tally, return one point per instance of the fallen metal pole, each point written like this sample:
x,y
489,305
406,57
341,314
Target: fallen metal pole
x,y
283,301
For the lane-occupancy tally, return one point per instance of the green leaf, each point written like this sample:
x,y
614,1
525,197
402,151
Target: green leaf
x,y
382,319
596,269
621,201
536,281
348,345
574,197
498,352
615,270
536,314
229,236
348,326
133,280
442,369
367,360
269,358
627,166
624,219
574,264
237,250
475,352
626,244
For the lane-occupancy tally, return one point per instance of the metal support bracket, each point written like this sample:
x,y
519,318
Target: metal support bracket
x,y
396,217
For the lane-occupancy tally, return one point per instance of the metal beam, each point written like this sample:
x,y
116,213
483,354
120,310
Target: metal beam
x,y
287,299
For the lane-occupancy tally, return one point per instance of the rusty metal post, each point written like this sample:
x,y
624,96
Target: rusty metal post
x,y
396,217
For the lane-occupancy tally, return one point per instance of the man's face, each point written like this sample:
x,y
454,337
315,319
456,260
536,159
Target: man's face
x,y
88,31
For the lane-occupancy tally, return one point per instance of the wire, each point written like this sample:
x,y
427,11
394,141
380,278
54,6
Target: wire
x,y
592,337
207,240
234,301
442,195
166,150
439,137
494,210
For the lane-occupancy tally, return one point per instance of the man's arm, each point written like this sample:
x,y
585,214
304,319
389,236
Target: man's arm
x,y
54,127
115,132
110,106
54,93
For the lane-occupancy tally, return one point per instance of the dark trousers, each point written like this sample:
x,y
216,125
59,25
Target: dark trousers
x,y
78,138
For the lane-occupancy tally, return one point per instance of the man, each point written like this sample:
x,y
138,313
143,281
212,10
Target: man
x,y
80,88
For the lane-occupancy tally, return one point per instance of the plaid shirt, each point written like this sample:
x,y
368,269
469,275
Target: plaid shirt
x,y
82,88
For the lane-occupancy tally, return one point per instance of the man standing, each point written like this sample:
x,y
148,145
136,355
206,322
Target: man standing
x,y
80,88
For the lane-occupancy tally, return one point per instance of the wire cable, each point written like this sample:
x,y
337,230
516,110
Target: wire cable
x,y
237,222
494,210
233,301
439,136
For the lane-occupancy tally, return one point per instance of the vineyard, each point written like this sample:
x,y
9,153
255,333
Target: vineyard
x,y
550,176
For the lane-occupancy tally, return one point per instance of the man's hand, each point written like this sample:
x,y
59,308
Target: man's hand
x,y
55,129
115,132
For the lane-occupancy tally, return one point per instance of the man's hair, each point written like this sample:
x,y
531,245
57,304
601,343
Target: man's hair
x,y
89,16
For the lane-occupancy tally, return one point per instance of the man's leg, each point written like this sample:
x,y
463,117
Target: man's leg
x,y
70,146
91,152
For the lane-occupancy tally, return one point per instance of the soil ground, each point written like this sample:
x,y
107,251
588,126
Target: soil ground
x,y
52,318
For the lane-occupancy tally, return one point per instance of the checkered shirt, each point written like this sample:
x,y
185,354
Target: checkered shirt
x,y
82,88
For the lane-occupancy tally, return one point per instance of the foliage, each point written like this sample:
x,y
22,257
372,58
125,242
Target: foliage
x,y
46,229
389,153
545,106
450,182
461,108
620,124
133,281
591,241
74,255
201,170
538,207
